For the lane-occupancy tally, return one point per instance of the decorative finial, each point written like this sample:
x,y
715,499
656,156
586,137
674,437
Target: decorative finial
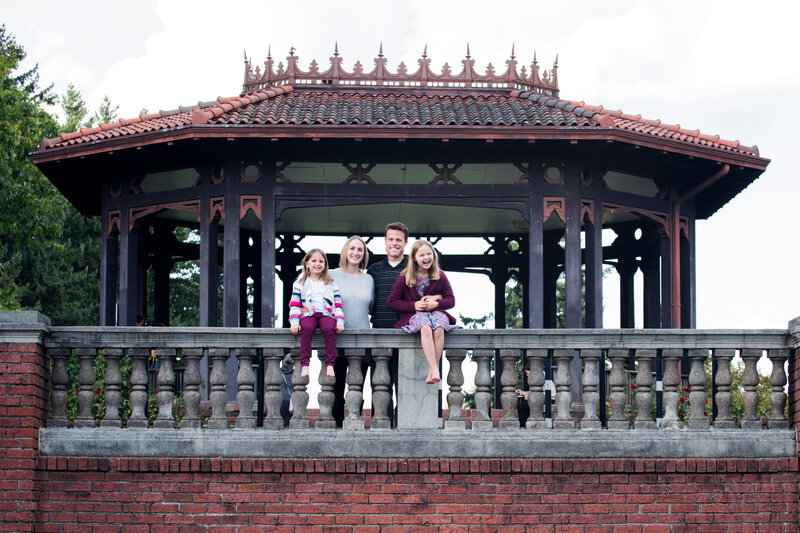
x,y
512,51
245,55
291,51
269,52
380,51
467,50
534,55
555,65
425,52
336,49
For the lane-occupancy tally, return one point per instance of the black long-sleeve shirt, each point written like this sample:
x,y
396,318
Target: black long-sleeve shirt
x,y
384,275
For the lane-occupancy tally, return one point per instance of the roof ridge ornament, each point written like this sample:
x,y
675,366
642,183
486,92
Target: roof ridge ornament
x,y
256,80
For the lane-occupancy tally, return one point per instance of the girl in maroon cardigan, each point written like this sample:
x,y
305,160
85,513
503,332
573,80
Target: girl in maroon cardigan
x,y
421,295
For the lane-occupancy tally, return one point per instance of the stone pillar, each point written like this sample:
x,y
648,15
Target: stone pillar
x,y
483,381
562,381
617,381
777,380
246,396
165,396
138,418
750,419
671,383
85,417
355,396
113,386
58,380
508,398
325,397
299,397
417,401
536,420
591,394
381,388
644,384
697,397
455,398
218,396
273,397
723,381
191,387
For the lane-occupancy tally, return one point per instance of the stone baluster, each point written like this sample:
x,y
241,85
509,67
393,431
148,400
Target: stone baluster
x,y
750,419
165,395
272,396
355,385
644,385
58,382
326,396
381,392
113,379
697,396
299,396
671,382
536,358
591,386
85,418
483,398
723,381
562,381
191,387
218,394
455,398
508,398
777,379
138,418
617,396
246,395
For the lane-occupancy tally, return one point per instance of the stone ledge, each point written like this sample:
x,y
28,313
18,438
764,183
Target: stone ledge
x,y
114,442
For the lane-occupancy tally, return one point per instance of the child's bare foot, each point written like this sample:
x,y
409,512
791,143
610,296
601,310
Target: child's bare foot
x,y
433,377
329,372
304,372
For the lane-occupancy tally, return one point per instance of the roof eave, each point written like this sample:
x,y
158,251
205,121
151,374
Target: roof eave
x,y
374,131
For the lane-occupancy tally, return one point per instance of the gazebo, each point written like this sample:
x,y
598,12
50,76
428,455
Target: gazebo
x,y
496,155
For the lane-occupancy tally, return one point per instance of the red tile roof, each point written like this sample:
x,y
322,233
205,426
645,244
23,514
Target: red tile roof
x,y
331,108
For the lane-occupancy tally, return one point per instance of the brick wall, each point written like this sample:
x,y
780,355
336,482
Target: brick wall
x,y
191,494
794,392
23,394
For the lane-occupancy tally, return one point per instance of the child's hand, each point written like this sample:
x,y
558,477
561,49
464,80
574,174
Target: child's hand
x,y
295,329
339,328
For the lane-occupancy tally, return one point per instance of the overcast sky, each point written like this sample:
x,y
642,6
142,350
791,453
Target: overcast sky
x,y
727,68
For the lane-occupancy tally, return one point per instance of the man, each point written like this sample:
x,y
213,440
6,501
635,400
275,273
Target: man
x,y
385,272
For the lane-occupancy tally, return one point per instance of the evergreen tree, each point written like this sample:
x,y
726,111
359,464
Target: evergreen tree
x,y
105,114
74,108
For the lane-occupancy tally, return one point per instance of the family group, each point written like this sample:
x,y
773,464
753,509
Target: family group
x,y
409,293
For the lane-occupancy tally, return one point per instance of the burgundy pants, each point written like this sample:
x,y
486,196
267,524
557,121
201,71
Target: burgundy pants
x,y
327,325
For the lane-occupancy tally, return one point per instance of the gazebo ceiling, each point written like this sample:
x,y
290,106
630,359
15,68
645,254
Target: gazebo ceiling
x,y
287,103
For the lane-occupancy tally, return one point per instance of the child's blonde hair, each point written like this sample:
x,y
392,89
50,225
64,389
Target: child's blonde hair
x,y
343,257
306,272
411,268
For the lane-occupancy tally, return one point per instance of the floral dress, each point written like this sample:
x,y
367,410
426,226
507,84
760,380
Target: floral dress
x,y
434,319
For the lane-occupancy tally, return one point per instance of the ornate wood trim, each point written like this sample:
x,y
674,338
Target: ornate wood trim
x,y
248,179
656,216
279,172
255,80
114,220
445,174
136,213
249,203
587,210
216,207
526,173
359,174
554,204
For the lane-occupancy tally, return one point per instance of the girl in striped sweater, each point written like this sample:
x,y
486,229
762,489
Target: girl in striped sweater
x,y
316,303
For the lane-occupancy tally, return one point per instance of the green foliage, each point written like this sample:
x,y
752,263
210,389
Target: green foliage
x,y
74,108
49,253
106,114
125,368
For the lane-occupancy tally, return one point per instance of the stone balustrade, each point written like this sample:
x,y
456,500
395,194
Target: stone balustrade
x,y
627,352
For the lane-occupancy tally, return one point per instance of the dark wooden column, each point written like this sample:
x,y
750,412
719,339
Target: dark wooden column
x,y
690,274
109,261
594,265
572,247
666,278
535,281
267,285
162,265
652,277
129,263
626,267
209,256
553,253
231,262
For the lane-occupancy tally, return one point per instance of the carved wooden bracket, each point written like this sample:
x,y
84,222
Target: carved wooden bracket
x,y
445,174
555,205
250,203
526,173
279,172
359,174
114,220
